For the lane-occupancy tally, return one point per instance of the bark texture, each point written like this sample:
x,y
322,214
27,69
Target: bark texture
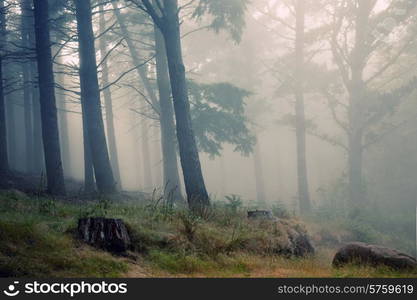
x,y
50,132
168,138
90,96
27,84
195,187
4,159
109,234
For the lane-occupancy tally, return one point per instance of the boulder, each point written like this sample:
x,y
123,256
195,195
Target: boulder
x,y
297,241
281,237
104,233
373,255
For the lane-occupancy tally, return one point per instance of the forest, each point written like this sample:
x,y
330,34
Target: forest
x,y
208,138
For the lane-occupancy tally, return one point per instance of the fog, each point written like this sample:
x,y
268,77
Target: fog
x,y
351,97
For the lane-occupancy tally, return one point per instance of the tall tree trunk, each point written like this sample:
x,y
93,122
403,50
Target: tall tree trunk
x,y
357,93
156,153
300,129
89,181
355,154
38,156
4,159
223,176
63,123
136,58
259,176
195,187
108,105
142,74
26,8
168,139
50,132
90,95
11,130
146,155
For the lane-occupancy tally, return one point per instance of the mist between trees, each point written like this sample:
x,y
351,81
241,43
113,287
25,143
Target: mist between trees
x,y
307,104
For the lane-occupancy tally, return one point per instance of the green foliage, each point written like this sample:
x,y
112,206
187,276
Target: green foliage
x,y
99,209
40,244
226,15
190,224
218,116
47,206
234,203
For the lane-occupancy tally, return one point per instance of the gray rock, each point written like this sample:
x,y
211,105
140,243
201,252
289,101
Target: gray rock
x,y
373,255
108,234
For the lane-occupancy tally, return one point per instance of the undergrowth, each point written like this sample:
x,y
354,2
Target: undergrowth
x,y
37,240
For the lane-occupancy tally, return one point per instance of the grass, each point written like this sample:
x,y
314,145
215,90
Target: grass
x,y
37,240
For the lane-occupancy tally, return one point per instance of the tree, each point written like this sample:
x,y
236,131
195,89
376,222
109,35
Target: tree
x,y
259,176
300,127
111,136
90,97
168,137
169,25
4,160
296,83
165,15
218,117
63,121
142,74
26,27
366,106
50,132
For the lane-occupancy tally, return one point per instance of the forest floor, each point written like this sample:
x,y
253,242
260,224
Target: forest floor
x,y
37,239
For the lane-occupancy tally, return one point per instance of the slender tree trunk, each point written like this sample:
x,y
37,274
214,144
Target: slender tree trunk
x,y
357,91
90,95
136,58
89,181
50,132
4,159
259,175
146,155
38,155
11,130
27,85
197,195
142,74
223,177
168,139
302,176
355,154
156,153
111,136
63,124
9,101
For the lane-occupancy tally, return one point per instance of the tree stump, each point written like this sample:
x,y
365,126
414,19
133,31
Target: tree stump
x,y
108,234
260,214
